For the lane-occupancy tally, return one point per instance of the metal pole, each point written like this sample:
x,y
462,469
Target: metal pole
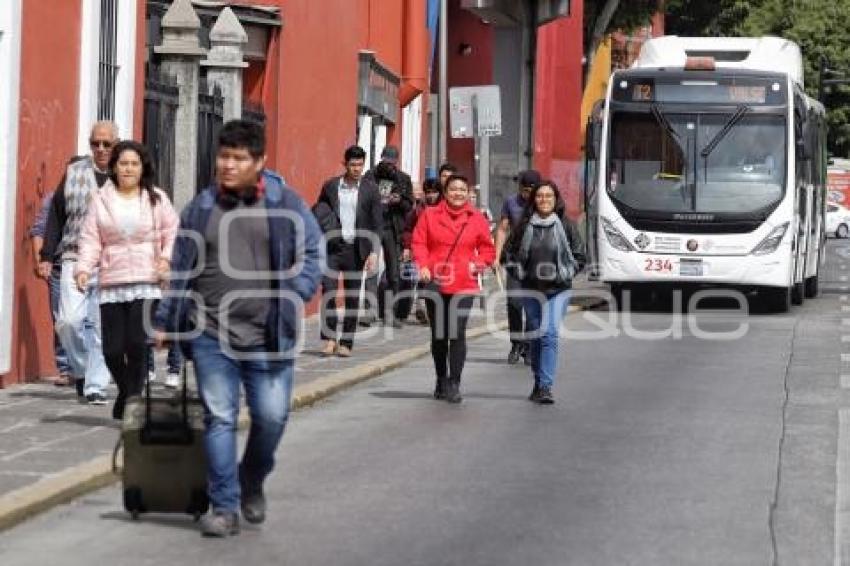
x,y
444,81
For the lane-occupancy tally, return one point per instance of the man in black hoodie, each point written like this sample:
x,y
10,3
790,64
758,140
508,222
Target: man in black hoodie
x,y
396,191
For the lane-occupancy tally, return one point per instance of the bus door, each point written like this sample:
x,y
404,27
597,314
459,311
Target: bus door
x,y
803,188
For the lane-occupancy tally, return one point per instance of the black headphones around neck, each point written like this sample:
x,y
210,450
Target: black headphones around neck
x,y
228,200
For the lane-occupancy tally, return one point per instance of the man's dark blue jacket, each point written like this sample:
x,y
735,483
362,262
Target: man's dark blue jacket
x,y
295,243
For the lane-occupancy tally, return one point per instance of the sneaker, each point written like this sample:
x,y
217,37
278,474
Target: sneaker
x,y
80,384
544,397
421,316
525,352
344,352
253,500
151,376
172,380
513,356
96,399
219,524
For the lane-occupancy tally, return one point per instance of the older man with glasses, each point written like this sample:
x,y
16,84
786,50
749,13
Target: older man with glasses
x,y
78,320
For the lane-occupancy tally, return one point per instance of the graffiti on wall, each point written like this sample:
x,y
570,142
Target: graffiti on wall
x,y
40,156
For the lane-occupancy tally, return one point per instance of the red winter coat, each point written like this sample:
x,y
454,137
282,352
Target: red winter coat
x,y
436,230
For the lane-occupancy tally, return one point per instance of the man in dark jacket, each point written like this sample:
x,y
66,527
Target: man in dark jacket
x,y
247,258
349,210
396,191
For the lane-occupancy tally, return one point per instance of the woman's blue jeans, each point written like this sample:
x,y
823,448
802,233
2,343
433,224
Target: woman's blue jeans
x,y
544,314
268,385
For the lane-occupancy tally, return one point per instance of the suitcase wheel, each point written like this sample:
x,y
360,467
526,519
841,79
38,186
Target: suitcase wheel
x,y
133,501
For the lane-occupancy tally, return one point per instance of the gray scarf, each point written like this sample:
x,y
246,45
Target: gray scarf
x,y
567,264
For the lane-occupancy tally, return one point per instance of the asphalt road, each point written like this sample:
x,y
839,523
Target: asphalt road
x,y
677,449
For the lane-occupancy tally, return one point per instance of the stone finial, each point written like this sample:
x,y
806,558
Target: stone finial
x,y
227,38
180,26
228,29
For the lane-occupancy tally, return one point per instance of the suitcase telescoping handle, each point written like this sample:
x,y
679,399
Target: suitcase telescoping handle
x,y
151,430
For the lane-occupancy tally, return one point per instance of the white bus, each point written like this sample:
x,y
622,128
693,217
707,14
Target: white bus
x,y
707,165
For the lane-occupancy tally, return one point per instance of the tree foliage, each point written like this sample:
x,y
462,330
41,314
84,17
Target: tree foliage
x,y
820,27
602,17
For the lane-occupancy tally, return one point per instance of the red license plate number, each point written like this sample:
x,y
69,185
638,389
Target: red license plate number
x,y
658,265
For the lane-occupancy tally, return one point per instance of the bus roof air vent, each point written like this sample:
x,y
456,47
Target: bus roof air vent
x,y
769,54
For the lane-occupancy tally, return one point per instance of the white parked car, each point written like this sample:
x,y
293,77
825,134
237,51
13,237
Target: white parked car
x,y
837,220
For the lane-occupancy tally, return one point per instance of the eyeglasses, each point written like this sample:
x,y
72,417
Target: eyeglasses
x,y
95,144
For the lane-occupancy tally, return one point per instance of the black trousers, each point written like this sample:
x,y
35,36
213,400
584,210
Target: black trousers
x,y
346,260
390,285
125,347
448,316
517,327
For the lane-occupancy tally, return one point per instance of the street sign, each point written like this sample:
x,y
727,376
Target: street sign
x,y
475,111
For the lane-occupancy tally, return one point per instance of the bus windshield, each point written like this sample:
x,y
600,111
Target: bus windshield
x,y
679,162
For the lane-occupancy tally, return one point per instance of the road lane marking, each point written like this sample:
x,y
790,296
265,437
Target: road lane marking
x,y
842,491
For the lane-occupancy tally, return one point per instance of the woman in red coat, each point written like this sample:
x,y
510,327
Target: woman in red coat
x,y
451,245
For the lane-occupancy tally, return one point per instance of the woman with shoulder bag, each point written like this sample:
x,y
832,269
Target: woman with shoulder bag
x,y
451,245
128,235
549,252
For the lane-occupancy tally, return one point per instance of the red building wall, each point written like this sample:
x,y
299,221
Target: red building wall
x,y
557,105
47,138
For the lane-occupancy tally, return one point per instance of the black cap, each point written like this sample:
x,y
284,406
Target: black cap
x,y
389,153
529,178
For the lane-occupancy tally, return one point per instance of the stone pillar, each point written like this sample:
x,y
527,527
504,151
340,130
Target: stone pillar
x,y
181,51
225,62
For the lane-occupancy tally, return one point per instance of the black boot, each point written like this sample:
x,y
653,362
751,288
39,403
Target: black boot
x,y
453,391
440,388
516,350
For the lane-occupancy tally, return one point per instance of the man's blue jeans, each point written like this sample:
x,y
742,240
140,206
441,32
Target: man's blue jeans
x,y
268,385
53,286
78,327
544,321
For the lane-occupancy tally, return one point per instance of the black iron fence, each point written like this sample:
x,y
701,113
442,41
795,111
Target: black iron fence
x,y
210,120
161,101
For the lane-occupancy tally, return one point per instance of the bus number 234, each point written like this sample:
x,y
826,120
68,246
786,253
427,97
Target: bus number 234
x,y
661,265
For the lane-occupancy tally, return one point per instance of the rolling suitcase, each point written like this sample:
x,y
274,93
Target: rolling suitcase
x,y
164,458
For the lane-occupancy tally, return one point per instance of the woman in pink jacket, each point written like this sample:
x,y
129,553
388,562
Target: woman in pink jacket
x,y
127,236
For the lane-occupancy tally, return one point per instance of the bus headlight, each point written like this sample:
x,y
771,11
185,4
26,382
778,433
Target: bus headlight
x,y
772,241
615,237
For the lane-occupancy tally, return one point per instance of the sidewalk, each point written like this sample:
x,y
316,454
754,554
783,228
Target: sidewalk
x,y
54,448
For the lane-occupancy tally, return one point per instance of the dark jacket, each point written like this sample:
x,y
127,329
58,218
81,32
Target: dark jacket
x,y
294,244
544,246
369,215
394,213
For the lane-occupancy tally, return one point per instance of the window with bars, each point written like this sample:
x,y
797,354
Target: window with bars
x,y
107,67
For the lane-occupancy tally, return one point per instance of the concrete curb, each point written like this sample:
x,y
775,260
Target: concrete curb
x,y
23,503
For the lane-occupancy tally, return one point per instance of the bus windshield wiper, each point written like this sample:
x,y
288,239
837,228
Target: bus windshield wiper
x,y
736,117
663,121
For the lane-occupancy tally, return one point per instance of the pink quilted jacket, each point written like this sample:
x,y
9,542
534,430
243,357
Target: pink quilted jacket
x,y
125,258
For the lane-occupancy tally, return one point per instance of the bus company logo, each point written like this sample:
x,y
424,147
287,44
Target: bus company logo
x,y
692,245
693,217
642,241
